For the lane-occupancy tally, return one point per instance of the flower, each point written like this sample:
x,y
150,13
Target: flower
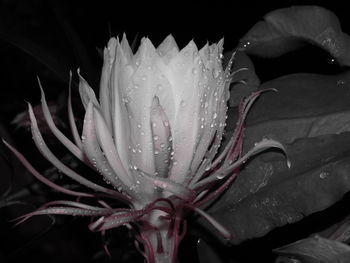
x,y
154,136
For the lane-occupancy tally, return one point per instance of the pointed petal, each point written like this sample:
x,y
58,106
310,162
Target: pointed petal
x,y
94,153
161,139
64,211
119,82
116,220
45,151
185,79
42,178
224,172
71,117
105,83
126,48
59,135
106,142
86,92
168,49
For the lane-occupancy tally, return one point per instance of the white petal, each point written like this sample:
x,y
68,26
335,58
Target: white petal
x,y
168,49
105,85
184,79
119,80
162,142
87,94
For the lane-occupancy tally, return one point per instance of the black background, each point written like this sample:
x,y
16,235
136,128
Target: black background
x,y
40,22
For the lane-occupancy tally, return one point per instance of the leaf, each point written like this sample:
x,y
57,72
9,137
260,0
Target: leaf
x,y
315,250
304,116
285,29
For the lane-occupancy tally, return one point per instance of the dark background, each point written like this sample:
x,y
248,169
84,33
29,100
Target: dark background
x,y
67,35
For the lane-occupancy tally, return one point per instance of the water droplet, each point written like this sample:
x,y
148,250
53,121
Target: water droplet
x,y
156,152
244,45
159,86
215,115
332,61
137,63
142,133
216,73
136,86
206,104
154,124
139,126
207,168
144,77
324,174
134,167
220,176
162,145
194,71
174,162
341,83
155,137
166,123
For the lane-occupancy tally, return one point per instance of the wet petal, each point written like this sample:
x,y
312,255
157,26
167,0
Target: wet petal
x,y
59,135
162,143
106,142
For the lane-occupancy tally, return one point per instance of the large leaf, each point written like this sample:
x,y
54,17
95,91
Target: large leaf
x,y
285,29
314,250
309,114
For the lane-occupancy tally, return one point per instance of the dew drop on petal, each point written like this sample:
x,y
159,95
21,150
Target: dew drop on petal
x,y
139,125
220,176
216,73
155,137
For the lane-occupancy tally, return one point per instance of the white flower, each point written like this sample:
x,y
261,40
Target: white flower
x,y
154,135
158,113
